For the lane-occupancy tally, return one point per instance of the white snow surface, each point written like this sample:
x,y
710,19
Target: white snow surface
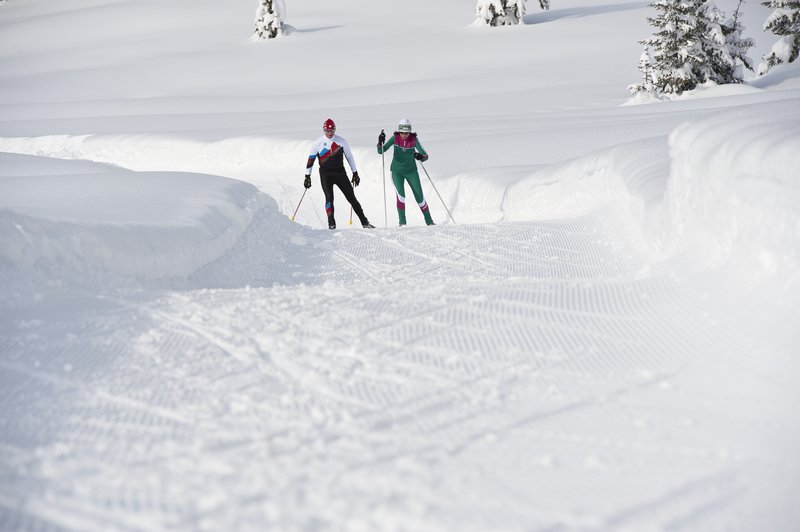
x,y
607,339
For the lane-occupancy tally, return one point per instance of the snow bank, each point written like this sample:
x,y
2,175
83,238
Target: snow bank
x,y
245,157
723,190
80,216
734,190
629,176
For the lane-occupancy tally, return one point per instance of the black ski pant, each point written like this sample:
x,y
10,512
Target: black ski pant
x,y
340,180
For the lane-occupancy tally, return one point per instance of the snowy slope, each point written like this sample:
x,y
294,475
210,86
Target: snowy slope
x,y
606,340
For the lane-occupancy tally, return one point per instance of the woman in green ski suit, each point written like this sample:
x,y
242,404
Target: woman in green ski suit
x,y
407,148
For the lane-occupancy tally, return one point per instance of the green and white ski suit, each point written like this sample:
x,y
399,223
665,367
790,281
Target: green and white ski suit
x,y
404,168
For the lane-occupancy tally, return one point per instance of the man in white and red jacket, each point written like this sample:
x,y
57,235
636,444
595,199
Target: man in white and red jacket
x,y
331,149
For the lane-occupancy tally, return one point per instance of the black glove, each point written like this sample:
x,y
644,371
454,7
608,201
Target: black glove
x,y
307,181
420,157
356,180
381,138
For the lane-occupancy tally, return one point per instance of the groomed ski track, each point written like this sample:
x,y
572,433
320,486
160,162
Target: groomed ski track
x,y
509,376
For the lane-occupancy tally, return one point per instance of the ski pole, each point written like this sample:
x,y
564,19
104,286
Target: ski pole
x,y
298,203
383,164
351,215
437,192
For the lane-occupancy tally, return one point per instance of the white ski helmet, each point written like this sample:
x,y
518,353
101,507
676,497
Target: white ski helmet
x,y
404,126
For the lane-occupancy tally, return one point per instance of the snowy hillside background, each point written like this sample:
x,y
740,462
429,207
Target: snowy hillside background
x,y
606,340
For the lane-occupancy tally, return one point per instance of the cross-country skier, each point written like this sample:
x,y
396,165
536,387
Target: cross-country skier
x,y
331,149
407,148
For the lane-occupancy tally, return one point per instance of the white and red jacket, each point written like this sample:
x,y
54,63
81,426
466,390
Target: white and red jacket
x,y
330,152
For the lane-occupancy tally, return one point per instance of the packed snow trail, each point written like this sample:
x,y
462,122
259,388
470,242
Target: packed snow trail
x,y
511,376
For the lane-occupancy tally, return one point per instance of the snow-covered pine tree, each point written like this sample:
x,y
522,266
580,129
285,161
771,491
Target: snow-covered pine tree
x,y
670,49
784,21
269,18
737,45
693,44
646,68
721,46
500,12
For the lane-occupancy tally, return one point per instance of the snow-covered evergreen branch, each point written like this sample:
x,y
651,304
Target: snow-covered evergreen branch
x,y
784,21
